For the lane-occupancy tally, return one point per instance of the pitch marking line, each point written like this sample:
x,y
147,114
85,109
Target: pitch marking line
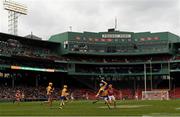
x,y
178,108
127,106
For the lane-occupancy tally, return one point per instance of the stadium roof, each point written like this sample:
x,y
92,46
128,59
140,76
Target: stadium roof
x,y
31,36
41,43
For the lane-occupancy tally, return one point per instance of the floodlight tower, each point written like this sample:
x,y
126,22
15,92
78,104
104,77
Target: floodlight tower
x,y
14,10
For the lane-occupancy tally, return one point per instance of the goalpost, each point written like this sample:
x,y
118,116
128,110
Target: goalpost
x,y
155,95
162,94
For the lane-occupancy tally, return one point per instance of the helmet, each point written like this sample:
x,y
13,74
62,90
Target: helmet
x,y
50,83
65,86
101,84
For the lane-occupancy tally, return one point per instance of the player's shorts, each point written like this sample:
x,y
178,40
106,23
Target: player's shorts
x,y
63,98
111,97
49,96
104,98
18,99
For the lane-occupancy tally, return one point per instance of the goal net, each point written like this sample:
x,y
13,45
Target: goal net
x,y
155,95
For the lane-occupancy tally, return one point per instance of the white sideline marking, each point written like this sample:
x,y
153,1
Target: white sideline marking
x,y
127,106
162,115
178,108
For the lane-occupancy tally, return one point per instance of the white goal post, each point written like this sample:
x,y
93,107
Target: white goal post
x,y
155,95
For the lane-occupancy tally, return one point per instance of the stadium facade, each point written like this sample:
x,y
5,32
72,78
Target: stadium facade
x,y
126,59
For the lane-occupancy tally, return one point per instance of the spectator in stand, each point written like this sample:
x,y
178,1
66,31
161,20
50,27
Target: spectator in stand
x,y
136,95
120,95
87,96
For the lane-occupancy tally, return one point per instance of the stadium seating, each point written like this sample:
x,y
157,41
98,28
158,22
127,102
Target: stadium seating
x,y
175,93
120,48
10,49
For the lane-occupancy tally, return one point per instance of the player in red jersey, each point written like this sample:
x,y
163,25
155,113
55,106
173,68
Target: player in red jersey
x,y
18,96
111,95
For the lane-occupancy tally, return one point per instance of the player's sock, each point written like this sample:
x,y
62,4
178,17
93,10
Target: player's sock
x,y
114,104
95,101
108,106
62,104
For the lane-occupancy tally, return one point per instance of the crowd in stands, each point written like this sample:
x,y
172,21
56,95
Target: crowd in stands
x,y
175,93
159,46
29,92
62,65
35,64
122,59
14,47
115,69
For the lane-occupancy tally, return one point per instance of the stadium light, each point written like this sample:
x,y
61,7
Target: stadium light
x,y
14,10
16,7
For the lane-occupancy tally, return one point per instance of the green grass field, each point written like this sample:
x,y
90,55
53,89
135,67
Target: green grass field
x,y
86,108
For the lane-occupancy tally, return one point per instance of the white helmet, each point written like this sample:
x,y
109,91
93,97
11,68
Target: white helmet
x,y
101,84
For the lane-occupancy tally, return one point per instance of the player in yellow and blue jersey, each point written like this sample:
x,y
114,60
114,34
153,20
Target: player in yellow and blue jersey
x,y
50,90
64,93
103,92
